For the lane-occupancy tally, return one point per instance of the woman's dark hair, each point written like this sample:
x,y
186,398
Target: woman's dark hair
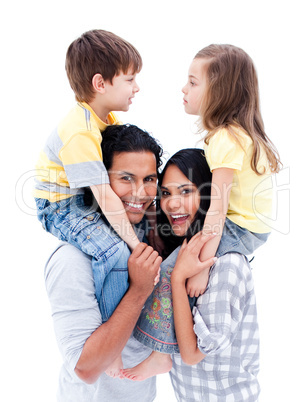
x,y
192,163
128,138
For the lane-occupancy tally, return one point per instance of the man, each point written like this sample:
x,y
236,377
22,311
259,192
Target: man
x,y
87,345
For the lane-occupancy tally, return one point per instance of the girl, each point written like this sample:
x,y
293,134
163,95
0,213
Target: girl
x,y
222,89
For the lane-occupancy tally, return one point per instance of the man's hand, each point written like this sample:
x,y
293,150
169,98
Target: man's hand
x,y
144,265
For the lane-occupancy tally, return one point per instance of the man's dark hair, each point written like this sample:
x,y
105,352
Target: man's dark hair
x,y
128,138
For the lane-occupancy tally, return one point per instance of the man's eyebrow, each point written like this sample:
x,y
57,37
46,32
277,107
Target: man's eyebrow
x,y
124,172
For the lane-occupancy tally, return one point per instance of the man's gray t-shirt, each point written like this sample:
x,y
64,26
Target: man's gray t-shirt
x,y
76,315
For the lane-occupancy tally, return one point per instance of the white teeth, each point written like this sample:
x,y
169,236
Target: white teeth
x,y
131,204
178,216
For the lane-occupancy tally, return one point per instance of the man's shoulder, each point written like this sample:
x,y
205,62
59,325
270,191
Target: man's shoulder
x,y
67,257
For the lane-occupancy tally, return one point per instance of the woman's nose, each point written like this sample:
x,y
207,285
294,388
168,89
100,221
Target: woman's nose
x,y
173,203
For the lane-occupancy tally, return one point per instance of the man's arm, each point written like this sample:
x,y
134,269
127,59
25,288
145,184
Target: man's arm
x,y
88,347
115,213
107,342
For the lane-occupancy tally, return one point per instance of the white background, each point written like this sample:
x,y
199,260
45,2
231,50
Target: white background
x,y
35,95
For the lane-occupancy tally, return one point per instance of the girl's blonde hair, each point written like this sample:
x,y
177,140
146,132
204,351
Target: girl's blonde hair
x,y
232,99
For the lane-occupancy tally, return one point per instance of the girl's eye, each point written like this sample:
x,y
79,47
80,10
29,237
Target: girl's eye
x,y
192,83
165,193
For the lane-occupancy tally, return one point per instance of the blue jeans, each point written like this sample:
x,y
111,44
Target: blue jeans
x,y
236,239
155,326
73,221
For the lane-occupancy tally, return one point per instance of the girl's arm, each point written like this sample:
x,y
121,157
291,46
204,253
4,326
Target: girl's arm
x,y
222,179
187,264
115,213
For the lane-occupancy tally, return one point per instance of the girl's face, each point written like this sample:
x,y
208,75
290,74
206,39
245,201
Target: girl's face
x,y
180,200
196,86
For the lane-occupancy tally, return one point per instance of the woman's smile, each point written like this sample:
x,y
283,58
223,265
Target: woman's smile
x,y
180,200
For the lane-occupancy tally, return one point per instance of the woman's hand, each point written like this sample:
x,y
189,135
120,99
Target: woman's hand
x,y
188,263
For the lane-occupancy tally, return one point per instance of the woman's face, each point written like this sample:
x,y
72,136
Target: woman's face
x,y
180,200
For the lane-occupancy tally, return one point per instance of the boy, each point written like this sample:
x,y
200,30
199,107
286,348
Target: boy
x,y
101,69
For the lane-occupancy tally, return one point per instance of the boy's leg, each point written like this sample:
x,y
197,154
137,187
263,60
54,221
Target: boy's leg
x,y
79,224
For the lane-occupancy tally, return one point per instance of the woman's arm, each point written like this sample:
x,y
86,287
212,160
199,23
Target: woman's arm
x,y
187,265
222,179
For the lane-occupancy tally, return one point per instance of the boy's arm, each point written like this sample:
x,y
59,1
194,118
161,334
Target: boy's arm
x,y
115,213
214,222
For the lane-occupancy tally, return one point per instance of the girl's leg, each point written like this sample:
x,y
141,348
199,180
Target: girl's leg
x,y
236,239
115,369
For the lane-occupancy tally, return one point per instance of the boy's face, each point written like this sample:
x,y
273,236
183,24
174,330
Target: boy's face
x,y
133,177
196,85
120,93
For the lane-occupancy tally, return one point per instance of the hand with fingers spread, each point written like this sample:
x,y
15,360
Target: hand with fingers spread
x,y
144,267
188,262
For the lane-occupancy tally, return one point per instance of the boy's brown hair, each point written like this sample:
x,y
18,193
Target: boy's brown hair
x,y
98,52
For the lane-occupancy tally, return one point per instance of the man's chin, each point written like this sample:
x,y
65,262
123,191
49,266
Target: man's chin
x,y
135,218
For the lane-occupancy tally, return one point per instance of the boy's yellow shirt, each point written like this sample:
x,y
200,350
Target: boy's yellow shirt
x,y
72,157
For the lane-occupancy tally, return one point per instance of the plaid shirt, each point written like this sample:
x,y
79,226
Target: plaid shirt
x,y
225,323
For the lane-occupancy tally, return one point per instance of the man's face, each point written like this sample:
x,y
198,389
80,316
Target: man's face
x,y
133,178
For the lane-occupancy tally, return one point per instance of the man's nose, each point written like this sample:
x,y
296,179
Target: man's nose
x,y
138,190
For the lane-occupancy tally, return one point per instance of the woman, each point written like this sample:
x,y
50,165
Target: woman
x,y
222,347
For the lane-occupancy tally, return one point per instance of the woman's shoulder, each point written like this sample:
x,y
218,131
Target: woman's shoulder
x,y
232,269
